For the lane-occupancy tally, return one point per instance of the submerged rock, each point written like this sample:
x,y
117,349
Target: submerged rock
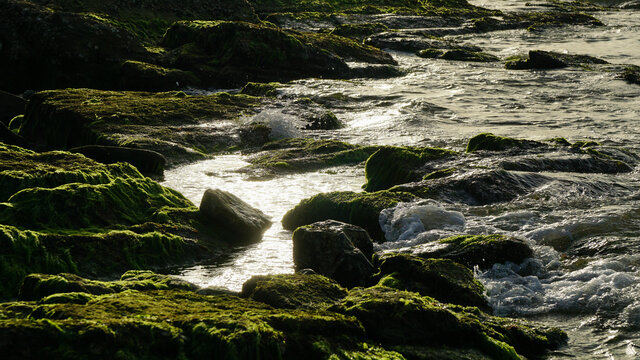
x,y
631,74
539,59
229,212
457,55
443,280
294,291
333,249
491,142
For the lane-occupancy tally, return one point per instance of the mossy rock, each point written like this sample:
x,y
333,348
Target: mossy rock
x,y
398,165
441,279
403,318
476,250
53,49
141,76
491,142
169,325
294,291
215,50
162,122
362,209
39,286
261,89
300,155
457,55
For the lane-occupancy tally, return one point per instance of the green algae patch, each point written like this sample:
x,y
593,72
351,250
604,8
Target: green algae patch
x,y
400,317
301,155
169,123
391,166
294,291
362,209
491,142
39,286
171,324
349,49
480,250
261,89
442,279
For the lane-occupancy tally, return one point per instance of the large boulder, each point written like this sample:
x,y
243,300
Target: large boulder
x,y
442,279
362,209
327,248
294,291
228,211
538,59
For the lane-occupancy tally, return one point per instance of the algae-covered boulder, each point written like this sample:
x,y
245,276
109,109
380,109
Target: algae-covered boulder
x,y
361,209
163,122
538,59
142,76
43,48
441,279
63,212
229,212
397,165
146,161
476,250
170,325
328,249
294,291
408,320
38,286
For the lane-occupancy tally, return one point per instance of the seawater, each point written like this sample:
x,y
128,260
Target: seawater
x,y
591,287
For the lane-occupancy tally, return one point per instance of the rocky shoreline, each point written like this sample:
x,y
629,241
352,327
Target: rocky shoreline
x,y
92,111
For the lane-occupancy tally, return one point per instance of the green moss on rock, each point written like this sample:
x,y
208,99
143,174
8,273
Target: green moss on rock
x,y
444,280
261,89
163,122
294,291
362,209
398,165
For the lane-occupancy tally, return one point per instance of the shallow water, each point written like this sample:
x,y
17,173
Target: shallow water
x,y
584,228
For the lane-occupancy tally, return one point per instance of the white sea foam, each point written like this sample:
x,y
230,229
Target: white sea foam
x,y
282,125
408,221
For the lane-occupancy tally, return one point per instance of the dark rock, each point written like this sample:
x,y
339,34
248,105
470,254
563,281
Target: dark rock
x,y
582,163
141,76
9,137
480,187
327,248
488,141
326,121
441,279
476,250
539,59
359,31
457,55
10,106
249,52
631,74
146,161
293,291
361,209
230,212
414,41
